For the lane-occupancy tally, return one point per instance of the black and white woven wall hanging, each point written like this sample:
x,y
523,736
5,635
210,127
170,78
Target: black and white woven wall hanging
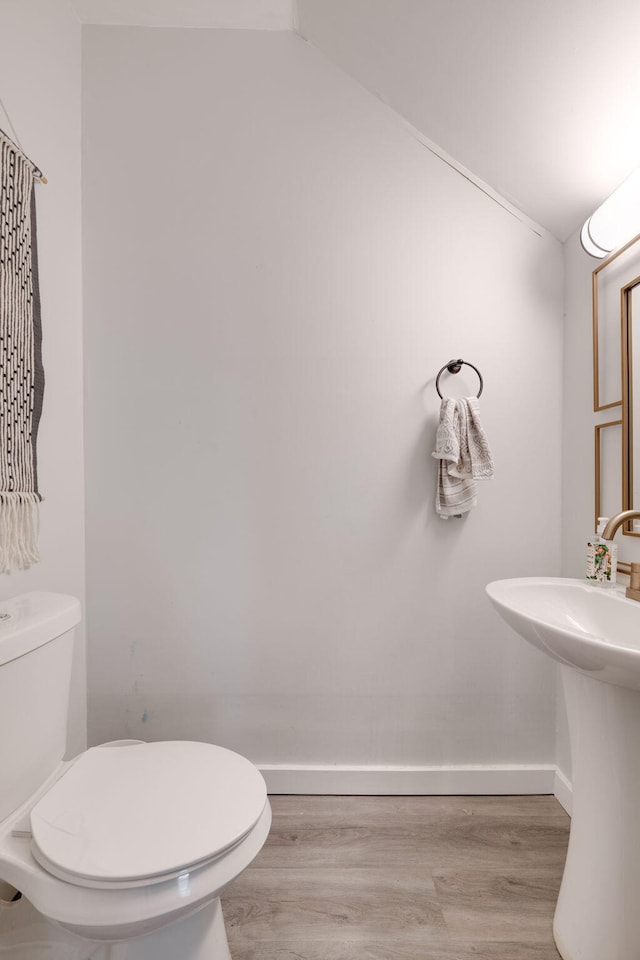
x,y
21,373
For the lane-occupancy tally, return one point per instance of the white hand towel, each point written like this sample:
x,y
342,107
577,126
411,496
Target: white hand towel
x,y
464,454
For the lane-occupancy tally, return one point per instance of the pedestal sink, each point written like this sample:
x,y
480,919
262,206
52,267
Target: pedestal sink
x,y
594,633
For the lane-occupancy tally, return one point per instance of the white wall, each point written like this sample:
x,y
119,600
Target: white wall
x,y
229,14
578,483
40,86
275,269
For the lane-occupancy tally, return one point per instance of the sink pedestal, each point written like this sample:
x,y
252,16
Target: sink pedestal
x,y
598,911
594,634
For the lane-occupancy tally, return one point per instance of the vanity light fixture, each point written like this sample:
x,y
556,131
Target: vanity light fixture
x,y
615,221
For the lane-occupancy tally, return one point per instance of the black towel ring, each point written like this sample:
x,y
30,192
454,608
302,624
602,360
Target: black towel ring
x,y
454,366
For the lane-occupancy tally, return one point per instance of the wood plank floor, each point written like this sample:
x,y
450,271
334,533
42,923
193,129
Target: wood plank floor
x,y
402,878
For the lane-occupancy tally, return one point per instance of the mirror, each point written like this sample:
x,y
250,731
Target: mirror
x,y
616,362
607,282
609,480
630,306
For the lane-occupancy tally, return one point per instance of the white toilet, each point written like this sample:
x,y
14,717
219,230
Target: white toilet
x,y
123,852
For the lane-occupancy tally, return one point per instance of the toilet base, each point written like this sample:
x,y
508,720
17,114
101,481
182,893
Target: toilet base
x,y
26,935
200,936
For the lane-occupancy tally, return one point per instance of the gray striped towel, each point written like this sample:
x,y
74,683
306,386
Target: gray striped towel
x,y
464,456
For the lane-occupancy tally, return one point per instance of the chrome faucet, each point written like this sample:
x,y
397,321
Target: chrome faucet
x,y
633,590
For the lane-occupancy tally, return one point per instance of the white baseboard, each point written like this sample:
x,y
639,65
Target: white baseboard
x,y
562,790
468,780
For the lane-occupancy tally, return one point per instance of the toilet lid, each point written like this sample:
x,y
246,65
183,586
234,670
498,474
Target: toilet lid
x,y
125,813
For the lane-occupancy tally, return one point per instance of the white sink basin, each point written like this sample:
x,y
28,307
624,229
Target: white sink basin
x,y
594,632
594,629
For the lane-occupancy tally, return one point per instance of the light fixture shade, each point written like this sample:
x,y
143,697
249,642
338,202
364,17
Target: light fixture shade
x,y
615,221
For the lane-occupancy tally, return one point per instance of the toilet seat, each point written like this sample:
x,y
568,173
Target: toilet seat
x,y
134,815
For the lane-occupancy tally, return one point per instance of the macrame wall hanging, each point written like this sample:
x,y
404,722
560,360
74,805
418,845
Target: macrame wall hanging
x,y
21,373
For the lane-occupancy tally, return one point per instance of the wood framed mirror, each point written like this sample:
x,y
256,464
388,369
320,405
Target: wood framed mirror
x,y
616,364
630,343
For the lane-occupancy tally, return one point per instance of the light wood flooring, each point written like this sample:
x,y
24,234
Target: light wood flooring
x,y
402,878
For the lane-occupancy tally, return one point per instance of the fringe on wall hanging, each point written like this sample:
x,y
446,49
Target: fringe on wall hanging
x,y
21,373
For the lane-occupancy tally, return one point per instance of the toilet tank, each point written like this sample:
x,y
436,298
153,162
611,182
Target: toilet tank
x,y
36,650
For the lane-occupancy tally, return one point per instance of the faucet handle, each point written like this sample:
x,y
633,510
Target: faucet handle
x,y
633,590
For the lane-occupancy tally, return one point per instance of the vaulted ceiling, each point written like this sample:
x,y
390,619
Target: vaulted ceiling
x,y
537,98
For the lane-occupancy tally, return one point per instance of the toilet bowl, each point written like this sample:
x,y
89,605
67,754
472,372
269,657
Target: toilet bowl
x,y
125,850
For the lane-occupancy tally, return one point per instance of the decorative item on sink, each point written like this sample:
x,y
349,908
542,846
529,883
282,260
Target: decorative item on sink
x,y
602,557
